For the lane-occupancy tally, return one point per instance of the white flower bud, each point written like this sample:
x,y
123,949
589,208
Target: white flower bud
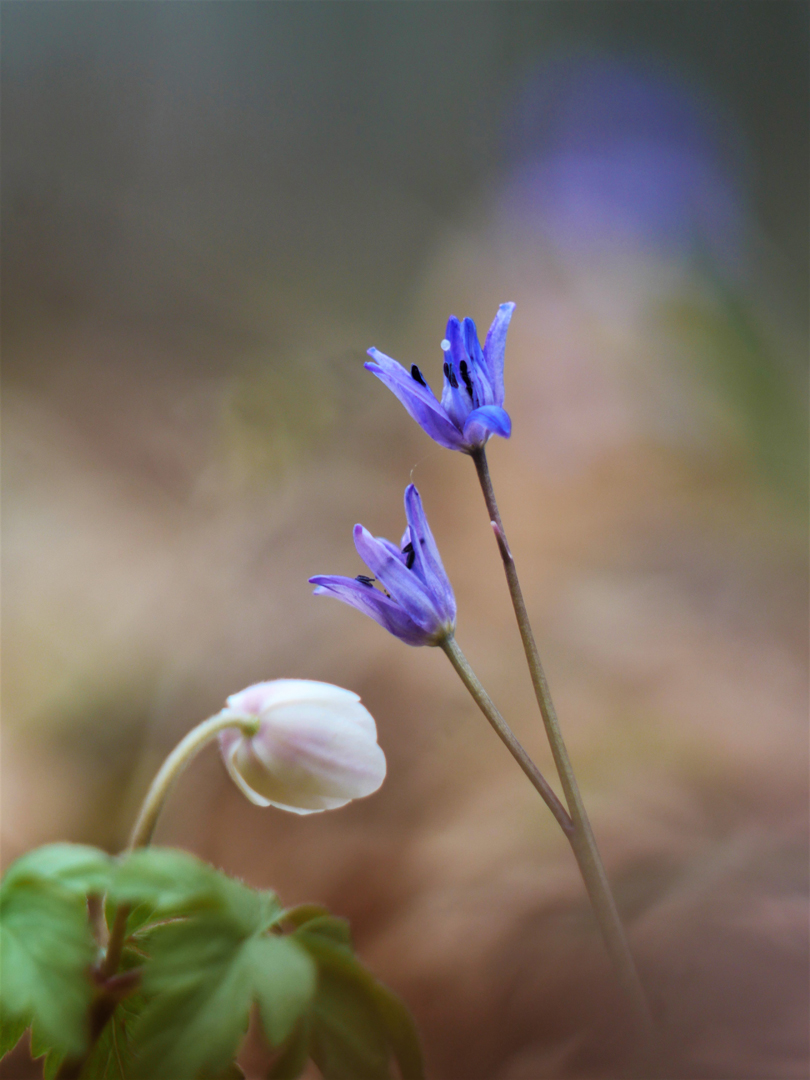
x,y
316,747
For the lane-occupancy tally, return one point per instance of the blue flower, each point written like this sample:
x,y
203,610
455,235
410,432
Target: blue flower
x,y
416,602
471,409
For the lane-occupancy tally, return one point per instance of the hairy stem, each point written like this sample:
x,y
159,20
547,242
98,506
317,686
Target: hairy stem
x,y
582,838
506,735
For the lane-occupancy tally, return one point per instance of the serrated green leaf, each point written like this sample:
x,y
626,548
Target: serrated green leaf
x,y
303,913
294,1056
203,975
113,1055
401,1031
353,1011
11,1031
332,928
46,948
177,883
284,981
200,974
170,881
139,917
348,1040
76,867
41,1048
51,1065
271,909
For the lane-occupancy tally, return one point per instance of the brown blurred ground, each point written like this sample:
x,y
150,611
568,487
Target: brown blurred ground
x,y
172,479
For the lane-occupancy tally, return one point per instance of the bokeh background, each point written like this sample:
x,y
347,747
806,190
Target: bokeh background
x,y
209,212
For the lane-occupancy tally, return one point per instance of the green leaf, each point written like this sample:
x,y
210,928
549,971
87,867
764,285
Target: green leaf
x,y
11,1031
169,881
76,867
230,1072
332,928
200,975
46,948
358,1023
203,976
302,914
271,909
348,1040
284,980
114,1053
53,1058
138,919
176,883
294,1056
401,1031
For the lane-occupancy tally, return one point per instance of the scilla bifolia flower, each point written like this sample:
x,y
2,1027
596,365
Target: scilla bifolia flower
x,y
315,747
471,409
415,602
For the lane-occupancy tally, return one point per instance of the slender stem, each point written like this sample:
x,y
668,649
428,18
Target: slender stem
x,y
582,838
171,768
174,764
186,749
114,987
505,733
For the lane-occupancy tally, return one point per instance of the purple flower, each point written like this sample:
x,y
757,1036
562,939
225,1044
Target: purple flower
x,y
416,601
471,409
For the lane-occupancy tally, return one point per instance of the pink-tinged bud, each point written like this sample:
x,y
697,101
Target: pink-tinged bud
x,y
316,747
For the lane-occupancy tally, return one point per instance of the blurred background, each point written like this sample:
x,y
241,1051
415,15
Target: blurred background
x,y
209,212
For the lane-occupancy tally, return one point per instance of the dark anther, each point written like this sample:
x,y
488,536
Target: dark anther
x,y
465,375
450,375
364,579
410,555
416,375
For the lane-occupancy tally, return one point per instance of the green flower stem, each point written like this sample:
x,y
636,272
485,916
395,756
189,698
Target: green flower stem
x,y
174,764
177,760
113,987
582,838
505,733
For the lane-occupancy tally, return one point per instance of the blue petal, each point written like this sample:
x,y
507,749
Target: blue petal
x,y
427,561
471,341
456,402
486,421
372,602
458,351
392,547
404,586
478,368
494,348
419,400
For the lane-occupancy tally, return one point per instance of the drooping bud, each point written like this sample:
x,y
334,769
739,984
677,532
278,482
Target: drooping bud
x,y
316,747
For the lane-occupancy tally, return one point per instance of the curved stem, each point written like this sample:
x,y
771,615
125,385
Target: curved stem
x,y
186,749
171,768
505,733
113,987
582,840
174,764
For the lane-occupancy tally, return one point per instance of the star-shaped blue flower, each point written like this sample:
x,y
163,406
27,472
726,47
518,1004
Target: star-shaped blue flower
x,y
416,601
471,409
